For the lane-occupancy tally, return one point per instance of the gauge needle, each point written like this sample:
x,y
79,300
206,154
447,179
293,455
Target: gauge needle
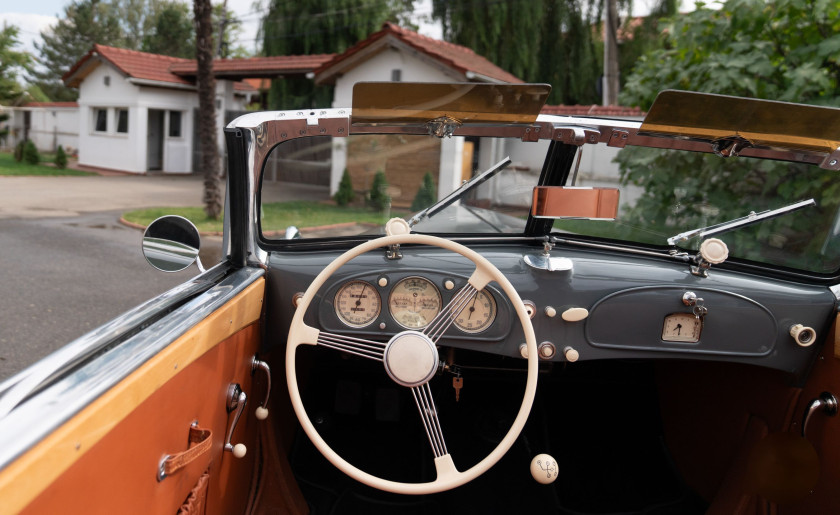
x,y
359,299
472,308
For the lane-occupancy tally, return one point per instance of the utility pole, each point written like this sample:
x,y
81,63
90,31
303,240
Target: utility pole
x,y
610,85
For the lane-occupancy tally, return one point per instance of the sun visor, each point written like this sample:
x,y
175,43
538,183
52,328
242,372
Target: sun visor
x,y
412,103
764,123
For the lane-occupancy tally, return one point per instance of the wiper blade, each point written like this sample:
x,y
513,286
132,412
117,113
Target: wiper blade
x,y
460,192
750,219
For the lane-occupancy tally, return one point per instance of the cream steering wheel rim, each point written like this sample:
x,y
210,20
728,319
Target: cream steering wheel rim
x,y
448,476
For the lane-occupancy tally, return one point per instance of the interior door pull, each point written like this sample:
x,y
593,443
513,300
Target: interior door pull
x,y
826,403
262,409
200,441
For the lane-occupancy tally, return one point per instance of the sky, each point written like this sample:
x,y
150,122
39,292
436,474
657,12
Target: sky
x,y
34,16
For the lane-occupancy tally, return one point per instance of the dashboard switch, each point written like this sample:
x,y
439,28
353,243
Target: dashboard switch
x,y
550,312
802,335
571,354
547,350
575,314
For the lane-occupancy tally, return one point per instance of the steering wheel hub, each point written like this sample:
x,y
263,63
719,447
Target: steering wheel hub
x,y
411,358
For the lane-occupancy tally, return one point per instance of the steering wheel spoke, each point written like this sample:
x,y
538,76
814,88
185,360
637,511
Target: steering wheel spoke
x,y
428,413
450,312
357,346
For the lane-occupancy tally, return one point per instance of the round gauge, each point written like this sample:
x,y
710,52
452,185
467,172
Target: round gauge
x,y
357,303
414,302
478,314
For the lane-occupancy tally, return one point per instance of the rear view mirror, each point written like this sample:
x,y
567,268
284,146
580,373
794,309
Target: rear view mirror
x,y
575,202
171,244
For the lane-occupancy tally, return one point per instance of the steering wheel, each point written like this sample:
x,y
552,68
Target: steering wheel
x,y
411,360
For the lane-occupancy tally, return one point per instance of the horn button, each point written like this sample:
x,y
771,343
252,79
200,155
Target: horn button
x,y
411,358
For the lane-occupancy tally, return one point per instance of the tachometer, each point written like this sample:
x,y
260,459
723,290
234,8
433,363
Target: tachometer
x,y
414,302
478,314
357,303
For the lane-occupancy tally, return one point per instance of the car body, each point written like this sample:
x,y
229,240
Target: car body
x,y
494,319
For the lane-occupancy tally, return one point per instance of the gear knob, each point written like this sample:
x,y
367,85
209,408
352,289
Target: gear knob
x,y
544,469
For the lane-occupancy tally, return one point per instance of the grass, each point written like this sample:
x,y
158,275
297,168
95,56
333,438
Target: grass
x,y
10,167
276,216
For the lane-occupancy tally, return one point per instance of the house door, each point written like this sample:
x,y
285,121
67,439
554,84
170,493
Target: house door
x,y
154,140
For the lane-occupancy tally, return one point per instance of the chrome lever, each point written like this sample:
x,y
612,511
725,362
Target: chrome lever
x,y
262,410
236,400
826,402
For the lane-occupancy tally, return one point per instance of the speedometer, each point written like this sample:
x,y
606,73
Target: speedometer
x,y
478,314
414,302
357,303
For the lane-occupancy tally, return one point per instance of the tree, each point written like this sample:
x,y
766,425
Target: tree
x,y
60,158
345,193
11,63
203,10
426,195
776,49
319,27
378,197
172,32
85,23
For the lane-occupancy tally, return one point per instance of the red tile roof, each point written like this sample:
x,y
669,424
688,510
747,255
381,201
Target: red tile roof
x,y
256,66
51,104
458,57
134,64
593,110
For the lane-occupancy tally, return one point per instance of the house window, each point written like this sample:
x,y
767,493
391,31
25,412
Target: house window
x,y
122,120
396,75
174,124
100,119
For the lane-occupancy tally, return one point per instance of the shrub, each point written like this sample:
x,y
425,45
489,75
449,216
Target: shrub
x,y
30,153
60,158
345,194
426,195
378,197
19,151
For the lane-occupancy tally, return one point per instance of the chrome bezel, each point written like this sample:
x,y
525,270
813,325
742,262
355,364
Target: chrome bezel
x,y
494,311
338,310
413,277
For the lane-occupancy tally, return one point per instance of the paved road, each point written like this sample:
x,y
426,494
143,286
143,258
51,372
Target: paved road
x,y
67,265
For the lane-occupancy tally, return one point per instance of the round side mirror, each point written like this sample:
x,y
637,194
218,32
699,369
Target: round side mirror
x,y
171,244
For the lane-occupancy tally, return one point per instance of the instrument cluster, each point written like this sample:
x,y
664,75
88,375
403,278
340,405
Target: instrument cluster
x,y
412,302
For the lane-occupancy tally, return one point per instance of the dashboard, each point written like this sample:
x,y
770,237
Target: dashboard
x,y
608,305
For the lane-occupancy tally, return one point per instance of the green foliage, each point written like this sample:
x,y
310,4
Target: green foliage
x,y
345,194
378,197
60,158
778,49
172,32
30,153
18,153
12,62
426,195
319,27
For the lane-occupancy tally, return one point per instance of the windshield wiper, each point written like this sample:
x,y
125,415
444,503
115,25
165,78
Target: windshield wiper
x,y
446,201
750,219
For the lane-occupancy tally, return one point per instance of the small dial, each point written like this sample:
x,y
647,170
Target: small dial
x,y
414,302
357,303
682,327
478,314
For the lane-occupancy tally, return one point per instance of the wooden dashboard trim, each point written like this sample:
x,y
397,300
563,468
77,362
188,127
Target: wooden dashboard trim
x,y
22,481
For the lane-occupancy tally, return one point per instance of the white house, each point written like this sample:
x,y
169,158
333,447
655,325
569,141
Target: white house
x,y
47,124
135,115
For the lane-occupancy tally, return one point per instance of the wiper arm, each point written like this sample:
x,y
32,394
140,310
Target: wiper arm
x,y
750,219
460,192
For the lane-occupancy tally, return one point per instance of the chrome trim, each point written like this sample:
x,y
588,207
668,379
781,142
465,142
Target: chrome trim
x,y
34,419
835,289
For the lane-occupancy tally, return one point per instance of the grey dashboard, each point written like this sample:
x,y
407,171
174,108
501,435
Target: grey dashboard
x,y
632,306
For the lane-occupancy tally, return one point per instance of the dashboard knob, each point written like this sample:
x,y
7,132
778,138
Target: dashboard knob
x,y
575,314
550,312
547,350
571,354
802,335
544,469
523,350
714,251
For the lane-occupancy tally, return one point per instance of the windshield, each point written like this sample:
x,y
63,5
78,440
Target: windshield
x,y
334,187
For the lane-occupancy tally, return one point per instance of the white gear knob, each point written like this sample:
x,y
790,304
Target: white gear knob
x,y
544,469
714,251
261,413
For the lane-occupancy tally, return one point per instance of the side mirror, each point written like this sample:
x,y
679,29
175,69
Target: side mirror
x,y
171,244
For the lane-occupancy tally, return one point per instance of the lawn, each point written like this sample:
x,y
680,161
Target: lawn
x,y
8,166
276,216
